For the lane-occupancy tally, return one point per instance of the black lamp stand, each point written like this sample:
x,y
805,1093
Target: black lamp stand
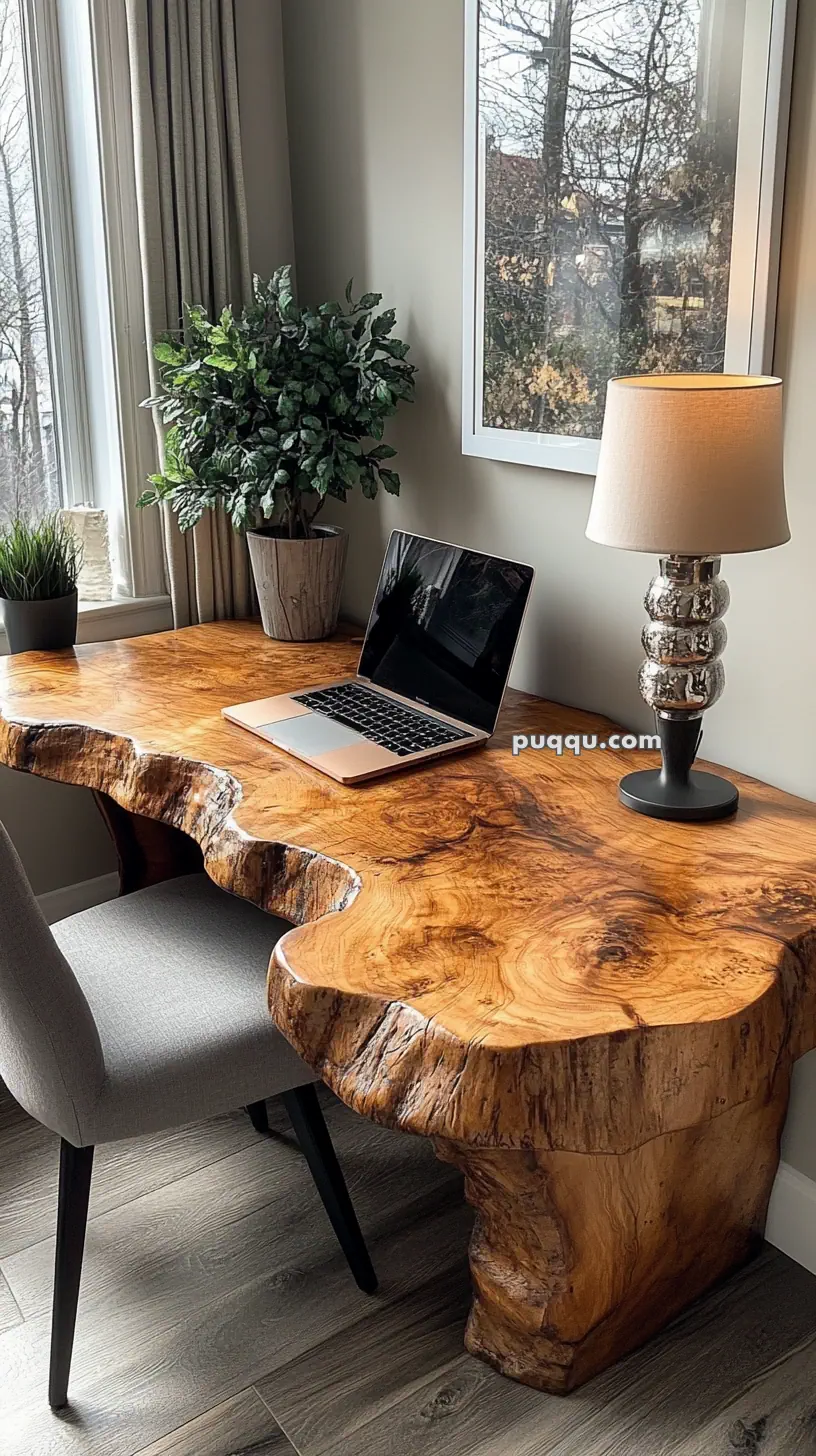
x,y
674,791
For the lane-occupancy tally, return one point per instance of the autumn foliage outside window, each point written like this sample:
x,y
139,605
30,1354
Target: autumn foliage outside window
x,y
610,152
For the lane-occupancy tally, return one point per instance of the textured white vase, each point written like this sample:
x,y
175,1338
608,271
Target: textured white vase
x,y
90,527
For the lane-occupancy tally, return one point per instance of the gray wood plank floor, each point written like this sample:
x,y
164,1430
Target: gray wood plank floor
x,y
217,1318
10,1312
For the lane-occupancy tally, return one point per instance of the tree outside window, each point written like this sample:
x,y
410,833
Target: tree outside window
x,y
29,465
610,158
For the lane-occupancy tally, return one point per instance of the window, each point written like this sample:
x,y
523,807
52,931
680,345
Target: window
x,y
73,364
624,160
29,455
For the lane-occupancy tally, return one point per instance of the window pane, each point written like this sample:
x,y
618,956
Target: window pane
x,y
29,468
610,146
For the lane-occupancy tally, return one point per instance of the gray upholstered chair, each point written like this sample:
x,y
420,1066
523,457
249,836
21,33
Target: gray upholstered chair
x,y
139,1015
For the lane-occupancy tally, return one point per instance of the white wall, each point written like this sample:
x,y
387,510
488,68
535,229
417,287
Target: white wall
x,y
57,830
374,91
259,51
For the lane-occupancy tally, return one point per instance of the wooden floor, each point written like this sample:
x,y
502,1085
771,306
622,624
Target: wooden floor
x,y
217,1317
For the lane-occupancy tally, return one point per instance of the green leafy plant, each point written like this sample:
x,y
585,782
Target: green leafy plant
x,y
275,410
39,561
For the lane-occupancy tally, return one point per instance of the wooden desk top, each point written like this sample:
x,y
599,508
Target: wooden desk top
x,y
517,959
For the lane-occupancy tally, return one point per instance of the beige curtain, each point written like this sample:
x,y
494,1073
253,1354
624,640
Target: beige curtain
x,y
193,236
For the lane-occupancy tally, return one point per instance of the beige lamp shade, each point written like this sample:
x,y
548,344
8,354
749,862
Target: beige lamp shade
x,y
691,465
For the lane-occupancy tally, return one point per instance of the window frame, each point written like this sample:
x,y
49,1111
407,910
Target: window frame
x,y
44,84
761,156
142,529
78,83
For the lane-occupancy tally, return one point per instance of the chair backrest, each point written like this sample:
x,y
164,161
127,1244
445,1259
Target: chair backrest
x,y
50,1054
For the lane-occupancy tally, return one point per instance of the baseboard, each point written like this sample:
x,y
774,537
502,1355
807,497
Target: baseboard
x,y
70,899
791,1224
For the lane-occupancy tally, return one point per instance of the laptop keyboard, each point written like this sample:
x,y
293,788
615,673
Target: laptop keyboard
x,y
380,719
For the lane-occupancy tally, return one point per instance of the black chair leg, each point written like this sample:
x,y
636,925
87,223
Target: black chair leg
x,y
76,1166
307,1119
258,1117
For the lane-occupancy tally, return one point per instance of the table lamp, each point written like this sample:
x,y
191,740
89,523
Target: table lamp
x,y
690,467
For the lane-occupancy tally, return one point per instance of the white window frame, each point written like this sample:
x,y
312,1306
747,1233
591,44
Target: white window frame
x,y
79,98
761,152
137,435
60,278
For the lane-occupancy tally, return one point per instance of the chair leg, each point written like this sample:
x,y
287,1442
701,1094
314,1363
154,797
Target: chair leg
x,y
76,1166
258,1117
307,1119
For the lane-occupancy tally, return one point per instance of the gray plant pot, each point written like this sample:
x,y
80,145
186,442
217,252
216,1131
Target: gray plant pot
x,y
299,582
41,626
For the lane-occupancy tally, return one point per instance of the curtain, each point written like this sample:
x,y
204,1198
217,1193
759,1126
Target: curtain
x,y
193,237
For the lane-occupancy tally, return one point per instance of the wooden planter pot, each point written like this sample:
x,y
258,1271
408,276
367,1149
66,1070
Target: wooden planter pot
x,y
299,582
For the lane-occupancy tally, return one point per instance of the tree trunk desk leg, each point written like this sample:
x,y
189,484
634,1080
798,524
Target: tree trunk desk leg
x,y
577,1258
149,851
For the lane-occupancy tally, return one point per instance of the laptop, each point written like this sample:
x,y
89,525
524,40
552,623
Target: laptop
x,y
433,670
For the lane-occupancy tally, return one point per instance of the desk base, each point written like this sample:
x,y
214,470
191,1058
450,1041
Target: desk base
x,y
578,1258
516,962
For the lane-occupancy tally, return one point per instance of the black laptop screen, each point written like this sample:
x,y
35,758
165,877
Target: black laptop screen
x,y
444,627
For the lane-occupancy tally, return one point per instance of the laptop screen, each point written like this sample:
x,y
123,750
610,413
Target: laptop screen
x,y
444,627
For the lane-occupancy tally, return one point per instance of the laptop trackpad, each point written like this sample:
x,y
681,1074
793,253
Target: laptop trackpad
x,y
310,734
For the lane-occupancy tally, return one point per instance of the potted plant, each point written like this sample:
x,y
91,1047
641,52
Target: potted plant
x,y
39,567
271,413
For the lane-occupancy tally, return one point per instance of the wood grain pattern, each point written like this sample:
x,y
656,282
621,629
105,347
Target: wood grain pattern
x,y
349,1376
372,1392
493,953
327,1395
299,583
199,1289
773,1417
10,1313
267,1189
611,1247
241,1426
188,1365
122,1171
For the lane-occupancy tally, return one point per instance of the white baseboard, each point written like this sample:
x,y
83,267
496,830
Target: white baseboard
x,y
791,1224
70,899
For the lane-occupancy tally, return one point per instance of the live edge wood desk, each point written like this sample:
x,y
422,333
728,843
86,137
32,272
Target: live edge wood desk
x,y
592,1014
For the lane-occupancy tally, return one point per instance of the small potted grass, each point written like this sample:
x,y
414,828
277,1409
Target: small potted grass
x,y
39,567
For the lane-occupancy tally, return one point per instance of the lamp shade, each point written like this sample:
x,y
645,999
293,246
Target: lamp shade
x,y
691,465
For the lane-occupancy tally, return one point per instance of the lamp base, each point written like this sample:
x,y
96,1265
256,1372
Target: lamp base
x,y
682,676
703,796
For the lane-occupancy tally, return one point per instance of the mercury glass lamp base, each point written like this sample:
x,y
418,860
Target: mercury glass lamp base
x,y
703,796
681,677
